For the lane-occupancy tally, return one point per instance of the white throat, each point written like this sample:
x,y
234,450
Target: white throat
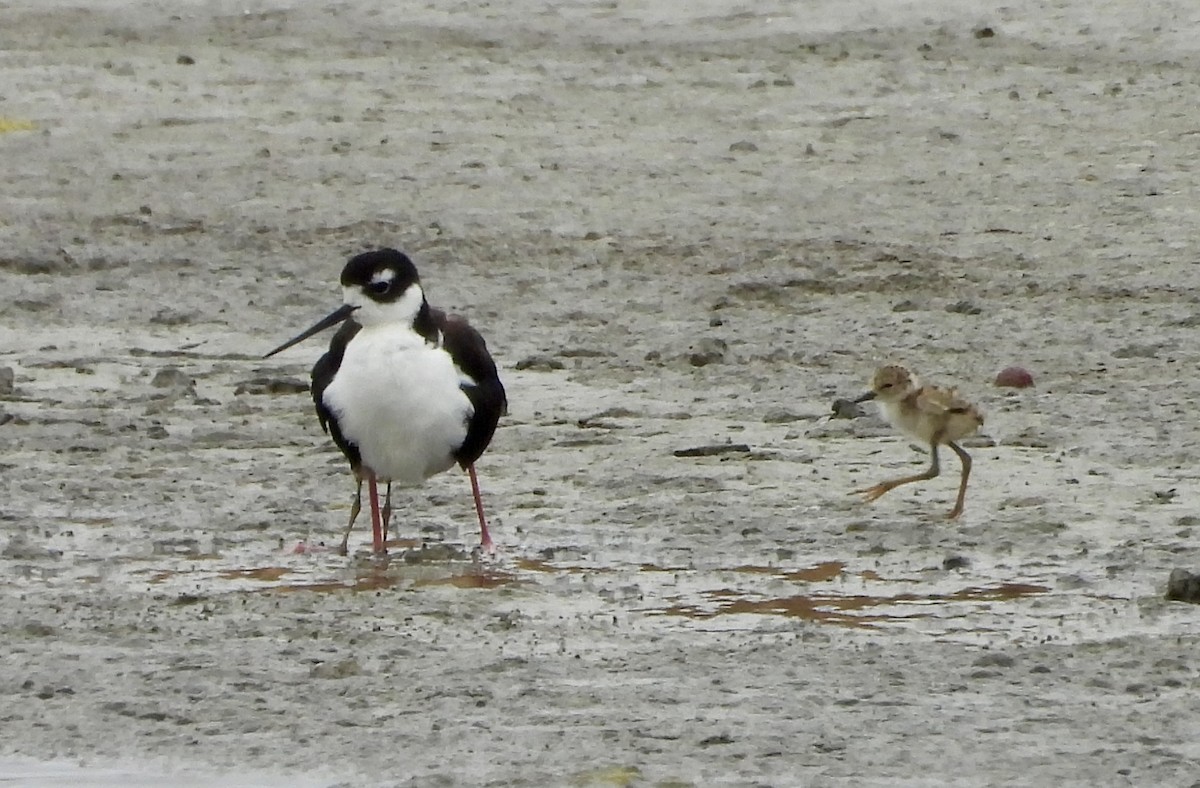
x,y
403,310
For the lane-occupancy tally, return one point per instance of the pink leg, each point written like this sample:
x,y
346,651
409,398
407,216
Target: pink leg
x,y
376,526
485,538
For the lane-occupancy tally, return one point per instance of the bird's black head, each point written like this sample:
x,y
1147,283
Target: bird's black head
x,y
377,288
383,276
383,287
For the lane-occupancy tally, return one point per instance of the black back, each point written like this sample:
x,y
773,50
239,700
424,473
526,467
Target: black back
x,y
469,351
322,375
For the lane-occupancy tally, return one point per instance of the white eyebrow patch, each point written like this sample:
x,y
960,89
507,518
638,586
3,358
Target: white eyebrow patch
x,y
384,277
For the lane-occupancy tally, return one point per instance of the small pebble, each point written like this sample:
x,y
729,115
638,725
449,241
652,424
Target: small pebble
x,y
707,351
994,659
539,363
846,409
1183,586
964,308
713,450
1014,378
258,386
171,377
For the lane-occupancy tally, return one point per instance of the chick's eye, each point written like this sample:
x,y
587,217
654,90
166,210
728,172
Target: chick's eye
x,y
379,287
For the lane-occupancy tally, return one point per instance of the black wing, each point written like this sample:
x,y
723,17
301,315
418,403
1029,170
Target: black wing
x,y
469,351
322,375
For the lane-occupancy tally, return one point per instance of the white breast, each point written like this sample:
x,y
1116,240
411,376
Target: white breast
x,y
398,399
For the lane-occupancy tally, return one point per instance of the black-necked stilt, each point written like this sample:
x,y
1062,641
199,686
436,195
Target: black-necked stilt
x,y
405,390
933,415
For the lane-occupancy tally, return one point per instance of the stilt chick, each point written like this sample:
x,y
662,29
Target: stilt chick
x,y
931,414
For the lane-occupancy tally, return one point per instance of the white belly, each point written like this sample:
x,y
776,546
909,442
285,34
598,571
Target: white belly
x,y
399,400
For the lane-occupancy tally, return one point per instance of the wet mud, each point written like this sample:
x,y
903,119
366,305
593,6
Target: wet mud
x,y
685,232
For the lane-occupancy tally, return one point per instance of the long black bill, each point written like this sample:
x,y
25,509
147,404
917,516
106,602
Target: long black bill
x,y
335,317
870,395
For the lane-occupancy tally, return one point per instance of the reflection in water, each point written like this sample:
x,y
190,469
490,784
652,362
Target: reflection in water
x,y
382,579
374,578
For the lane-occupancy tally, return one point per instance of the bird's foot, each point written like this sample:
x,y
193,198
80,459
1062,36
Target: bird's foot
x,y
304,548
485,548
872,493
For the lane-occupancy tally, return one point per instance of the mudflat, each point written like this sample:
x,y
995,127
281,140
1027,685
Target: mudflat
x,y
684,230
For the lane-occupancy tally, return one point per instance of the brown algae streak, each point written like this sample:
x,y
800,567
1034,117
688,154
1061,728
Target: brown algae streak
x,y
817,573
836,609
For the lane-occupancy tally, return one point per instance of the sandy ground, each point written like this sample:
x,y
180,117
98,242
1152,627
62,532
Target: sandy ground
x,y
784,193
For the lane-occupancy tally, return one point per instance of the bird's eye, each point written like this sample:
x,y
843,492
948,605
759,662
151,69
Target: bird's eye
x,y
379,286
